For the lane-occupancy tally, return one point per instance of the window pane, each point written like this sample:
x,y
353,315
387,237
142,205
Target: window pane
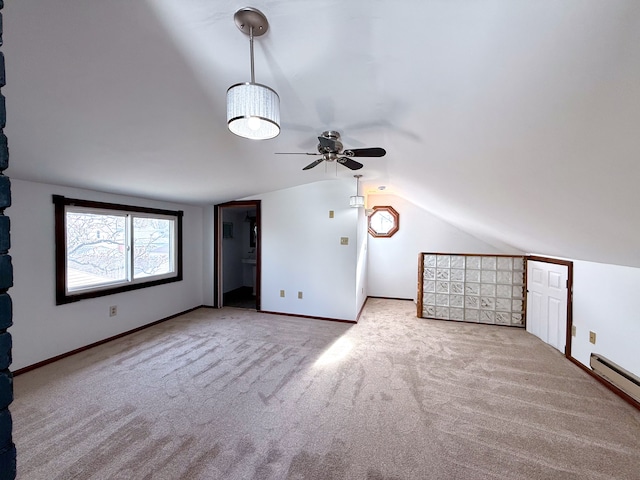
x,y
96,248
96,252
152,247
382,222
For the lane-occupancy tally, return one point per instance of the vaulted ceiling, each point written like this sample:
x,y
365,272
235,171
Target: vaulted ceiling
x,y
515,120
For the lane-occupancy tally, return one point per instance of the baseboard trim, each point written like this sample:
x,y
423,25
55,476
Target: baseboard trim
x,y
395,298
609,385
308,316
467,322
28,368
336,319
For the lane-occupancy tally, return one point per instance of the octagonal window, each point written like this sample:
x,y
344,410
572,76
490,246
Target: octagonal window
x,y
384,222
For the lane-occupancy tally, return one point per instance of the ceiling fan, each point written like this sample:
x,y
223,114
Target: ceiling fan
x,y
330,147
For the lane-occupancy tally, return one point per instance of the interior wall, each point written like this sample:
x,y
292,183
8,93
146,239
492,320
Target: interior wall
x,y
361,260
393,262
605,301
43,330
301,250
208,255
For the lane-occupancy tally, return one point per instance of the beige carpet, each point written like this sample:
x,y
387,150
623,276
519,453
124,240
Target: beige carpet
x,y
234,394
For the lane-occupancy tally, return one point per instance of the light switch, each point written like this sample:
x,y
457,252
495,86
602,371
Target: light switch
x,y
330,213
344,240
282,293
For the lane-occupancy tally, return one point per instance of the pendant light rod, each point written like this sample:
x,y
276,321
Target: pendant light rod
x,y
253,70
252,22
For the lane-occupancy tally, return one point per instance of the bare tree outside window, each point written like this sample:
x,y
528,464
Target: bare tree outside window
x,y
96,249
105,248
152,246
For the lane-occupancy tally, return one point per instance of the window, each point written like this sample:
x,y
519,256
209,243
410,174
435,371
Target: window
x,y
104,248
384,222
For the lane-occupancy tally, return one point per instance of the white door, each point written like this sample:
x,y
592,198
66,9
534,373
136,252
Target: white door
x,y
547,302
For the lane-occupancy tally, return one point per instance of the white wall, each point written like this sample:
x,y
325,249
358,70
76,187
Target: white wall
x,y
208,249
393,262
606,301
362,289
43,330
301,250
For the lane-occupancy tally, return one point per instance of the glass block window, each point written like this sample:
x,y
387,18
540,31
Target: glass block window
x,y
472,288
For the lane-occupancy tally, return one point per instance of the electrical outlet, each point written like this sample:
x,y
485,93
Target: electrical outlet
x,y
573,330
300,295
592,337
282,293
344,240
113,310
330,213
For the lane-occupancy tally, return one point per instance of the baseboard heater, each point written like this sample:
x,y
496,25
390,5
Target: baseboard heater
x,y
616,375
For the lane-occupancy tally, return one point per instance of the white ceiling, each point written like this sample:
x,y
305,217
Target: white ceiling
x,y
514,119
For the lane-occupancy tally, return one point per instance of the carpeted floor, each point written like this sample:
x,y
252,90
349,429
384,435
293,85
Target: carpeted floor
x,y
235,394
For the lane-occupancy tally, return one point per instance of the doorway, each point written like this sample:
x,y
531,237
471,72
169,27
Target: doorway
x,y
237,254
549,301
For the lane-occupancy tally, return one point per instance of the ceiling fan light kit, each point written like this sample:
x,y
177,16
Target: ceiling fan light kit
x,y
253,110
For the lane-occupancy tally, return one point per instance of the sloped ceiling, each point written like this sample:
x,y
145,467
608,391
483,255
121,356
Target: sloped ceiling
x,y
515,120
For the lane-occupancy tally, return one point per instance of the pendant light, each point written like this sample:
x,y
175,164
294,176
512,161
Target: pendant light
x,y
253,110
357,200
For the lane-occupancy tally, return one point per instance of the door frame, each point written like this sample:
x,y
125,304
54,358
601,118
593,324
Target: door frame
x,y
217,257
569,265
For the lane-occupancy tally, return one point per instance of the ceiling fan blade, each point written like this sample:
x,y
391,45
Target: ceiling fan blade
x,y
352,164
365,152
313,164
295,153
